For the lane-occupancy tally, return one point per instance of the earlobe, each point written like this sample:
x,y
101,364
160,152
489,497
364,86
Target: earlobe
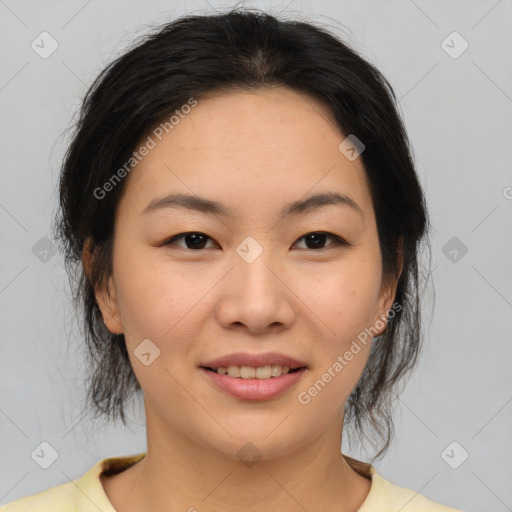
x,y
380,322
107,303
105,295
389,291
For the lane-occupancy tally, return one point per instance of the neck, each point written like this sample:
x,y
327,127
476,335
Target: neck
x,y
180,474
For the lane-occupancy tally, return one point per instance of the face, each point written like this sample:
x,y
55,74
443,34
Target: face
x,y
254,276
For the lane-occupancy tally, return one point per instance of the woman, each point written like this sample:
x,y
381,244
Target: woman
x,y
241,204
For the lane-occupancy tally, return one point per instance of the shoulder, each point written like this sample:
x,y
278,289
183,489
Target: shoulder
x,y
384,496
81,495
407,500
56,499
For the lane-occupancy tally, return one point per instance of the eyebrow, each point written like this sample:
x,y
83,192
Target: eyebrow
x,y
203,205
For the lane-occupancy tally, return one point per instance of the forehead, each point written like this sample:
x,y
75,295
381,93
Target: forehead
x,y
273,118
272,145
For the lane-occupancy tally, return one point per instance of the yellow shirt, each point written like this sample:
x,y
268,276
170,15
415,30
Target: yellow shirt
x,y
86,494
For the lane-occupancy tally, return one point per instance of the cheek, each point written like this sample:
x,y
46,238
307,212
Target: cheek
x,y
152,302
343,299
159,307
343,305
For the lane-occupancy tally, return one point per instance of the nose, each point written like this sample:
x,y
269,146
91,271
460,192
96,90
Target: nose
x,y
256,296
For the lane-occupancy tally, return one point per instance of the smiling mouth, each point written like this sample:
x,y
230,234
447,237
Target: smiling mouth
x,y
254,372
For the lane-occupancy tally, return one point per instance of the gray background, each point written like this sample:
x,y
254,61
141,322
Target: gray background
x,y
458,114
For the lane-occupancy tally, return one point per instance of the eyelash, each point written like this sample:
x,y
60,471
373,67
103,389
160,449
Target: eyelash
x,y
338,240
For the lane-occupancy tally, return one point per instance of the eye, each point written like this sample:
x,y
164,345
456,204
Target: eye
x,y
193,240
316,240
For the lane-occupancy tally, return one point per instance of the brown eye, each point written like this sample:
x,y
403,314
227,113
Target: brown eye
x,y
193,240
317,240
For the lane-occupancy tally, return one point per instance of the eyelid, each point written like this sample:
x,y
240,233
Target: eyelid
x,y
338,241
170,240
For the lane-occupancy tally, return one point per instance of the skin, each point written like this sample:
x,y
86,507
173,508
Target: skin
x,y
254,152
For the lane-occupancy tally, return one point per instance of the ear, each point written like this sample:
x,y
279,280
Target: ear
x,y
105,296
388,290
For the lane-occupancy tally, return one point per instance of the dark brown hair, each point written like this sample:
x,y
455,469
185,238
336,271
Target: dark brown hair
x,y
241,49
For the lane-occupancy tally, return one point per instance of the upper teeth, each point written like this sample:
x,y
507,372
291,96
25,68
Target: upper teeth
x,y
251,372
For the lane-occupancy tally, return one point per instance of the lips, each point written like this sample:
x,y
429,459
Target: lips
x,y
254,389
254,360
